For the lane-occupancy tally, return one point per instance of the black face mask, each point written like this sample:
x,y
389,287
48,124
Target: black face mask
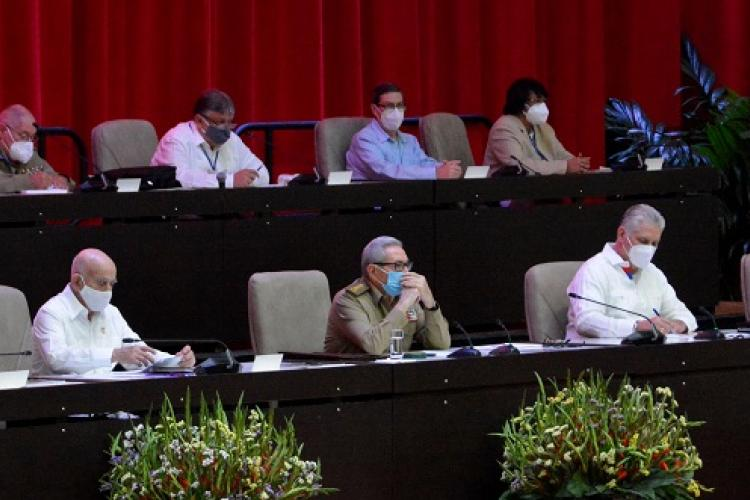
x,y
217,135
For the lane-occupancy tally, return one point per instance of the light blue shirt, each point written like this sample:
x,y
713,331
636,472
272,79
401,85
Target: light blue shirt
x,y
375,156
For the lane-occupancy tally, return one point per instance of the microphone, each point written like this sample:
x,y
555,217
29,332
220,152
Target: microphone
x,y
635,338
464,352
221,178
503,349
713,333
217,364
19,353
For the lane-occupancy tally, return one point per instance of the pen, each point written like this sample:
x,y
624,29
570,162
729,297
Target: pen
x,y
656,312
130,340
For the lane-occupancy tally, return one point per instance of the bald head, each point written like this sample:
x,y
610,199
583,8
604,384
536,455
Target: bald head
x,y
93,268
17,116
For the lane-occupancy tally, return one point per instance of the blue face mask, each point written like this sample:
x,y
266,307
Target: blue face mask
x,y
392,285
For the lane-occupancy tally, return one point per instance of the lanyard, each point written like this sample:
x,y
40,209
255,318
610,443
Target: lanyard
x,y
532,138
212,164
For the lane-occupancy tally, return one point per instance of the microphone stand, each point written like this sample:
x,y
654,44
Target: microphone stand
x,y
635,338
464,352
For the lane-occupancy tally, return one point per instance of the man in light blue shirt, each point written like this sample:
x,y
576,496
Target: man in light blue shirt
x,y
381,152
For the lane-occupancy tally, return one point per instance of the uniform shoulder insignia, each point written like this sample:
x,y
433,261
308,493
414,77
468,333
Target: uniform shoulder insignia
x,y
357,289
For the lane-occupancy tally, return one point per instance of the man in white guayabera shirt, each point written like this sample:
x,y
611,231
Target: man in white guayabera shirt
x,y
79,331
622,275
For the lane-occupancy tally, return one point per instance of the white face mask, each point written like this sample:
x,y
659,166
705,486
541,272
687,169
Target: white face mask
x,y
95,300
640,255
391,119
21,151
537,113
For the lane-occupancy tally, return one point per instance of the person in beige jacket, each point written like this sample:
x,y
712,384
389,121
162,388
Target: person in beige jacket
x,y
21,167
387,296
521,137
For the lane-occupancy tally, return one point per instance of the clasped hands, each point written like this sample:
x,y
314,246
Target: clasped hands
x,y
414,288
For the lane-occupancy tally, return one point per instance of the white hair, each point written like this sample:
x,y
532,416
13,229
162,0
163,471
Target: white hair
x,y
375,250
639,215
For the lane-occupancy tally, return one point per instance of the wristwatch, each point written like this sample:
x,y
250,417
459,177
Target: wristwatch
x,y
433,308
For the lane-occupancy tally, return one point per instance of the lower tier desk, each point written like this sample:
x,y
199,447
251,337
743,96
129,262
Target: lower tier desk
x,y
407,430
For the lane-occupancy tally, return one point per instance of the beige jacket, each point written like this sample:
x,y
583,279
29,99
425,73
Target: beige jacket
x,y
14,177
360,321
508,138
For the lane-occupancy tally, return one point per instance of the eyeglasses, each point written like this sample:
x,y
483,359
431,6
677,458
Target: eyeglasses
x,y
400,106
224,125
397,266
22,136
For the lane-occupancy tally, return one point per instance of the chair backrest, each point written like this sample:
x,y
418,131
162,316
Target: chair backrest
x,y
546,299
288,311
123,143
332,139
15,329
444,138
745,277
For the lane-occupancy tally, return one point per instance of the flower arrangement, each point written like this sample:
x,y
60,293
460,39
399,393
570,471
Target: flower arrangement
x,y
578,441
211,458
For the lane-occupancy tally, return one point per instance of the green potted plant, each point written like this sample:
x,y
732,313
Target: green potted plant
x,y
578,441
716,134
211,457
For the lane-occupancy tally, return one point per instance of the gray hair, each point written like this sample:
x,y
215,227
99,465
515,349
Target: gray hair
x,y
642,214
375,250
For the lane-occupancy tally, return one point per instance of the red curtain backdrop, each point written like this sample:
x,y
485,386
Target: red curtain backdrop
x,y
79,62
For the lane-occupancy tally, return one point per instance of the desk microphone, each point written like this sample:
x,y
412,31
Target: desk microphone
x,y
713,333
635,338
504,349
464,352
216,364
19,353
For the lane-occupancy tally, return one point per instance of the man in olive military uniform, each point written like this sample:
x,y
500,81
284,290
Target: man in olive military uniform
x,y
20,166
388,296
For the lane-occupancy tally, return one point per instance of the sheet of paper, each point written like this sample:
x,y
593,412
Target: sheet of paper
x,y
476,172
267,362
45,191
339,178
128,185
13,379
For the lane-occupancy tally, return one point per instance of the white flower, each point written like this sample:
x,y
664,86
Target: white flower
x,y
567,457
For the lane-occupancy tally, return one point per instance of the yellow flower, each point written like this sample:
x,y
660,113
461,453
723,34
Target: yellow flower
x,y
634,440
693,488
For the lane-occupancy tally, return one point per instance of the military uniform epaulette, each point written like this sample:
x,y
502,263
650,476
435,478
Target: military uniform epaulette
x,y
357,289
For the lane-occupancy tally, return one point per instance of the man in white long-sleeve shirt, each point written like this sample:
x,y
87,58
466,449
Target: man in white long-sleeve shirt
x,y
79,331
206,152
622,275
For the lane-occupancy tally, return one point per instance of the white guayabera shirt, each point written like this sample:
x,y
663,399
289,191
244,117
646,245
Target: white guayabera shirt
x,y
603,278
65,341
197,165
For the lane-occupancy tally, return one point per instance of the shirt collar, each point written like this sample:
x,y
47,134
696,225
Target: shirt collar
x,y
613,257
195,137
75,308
381,135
